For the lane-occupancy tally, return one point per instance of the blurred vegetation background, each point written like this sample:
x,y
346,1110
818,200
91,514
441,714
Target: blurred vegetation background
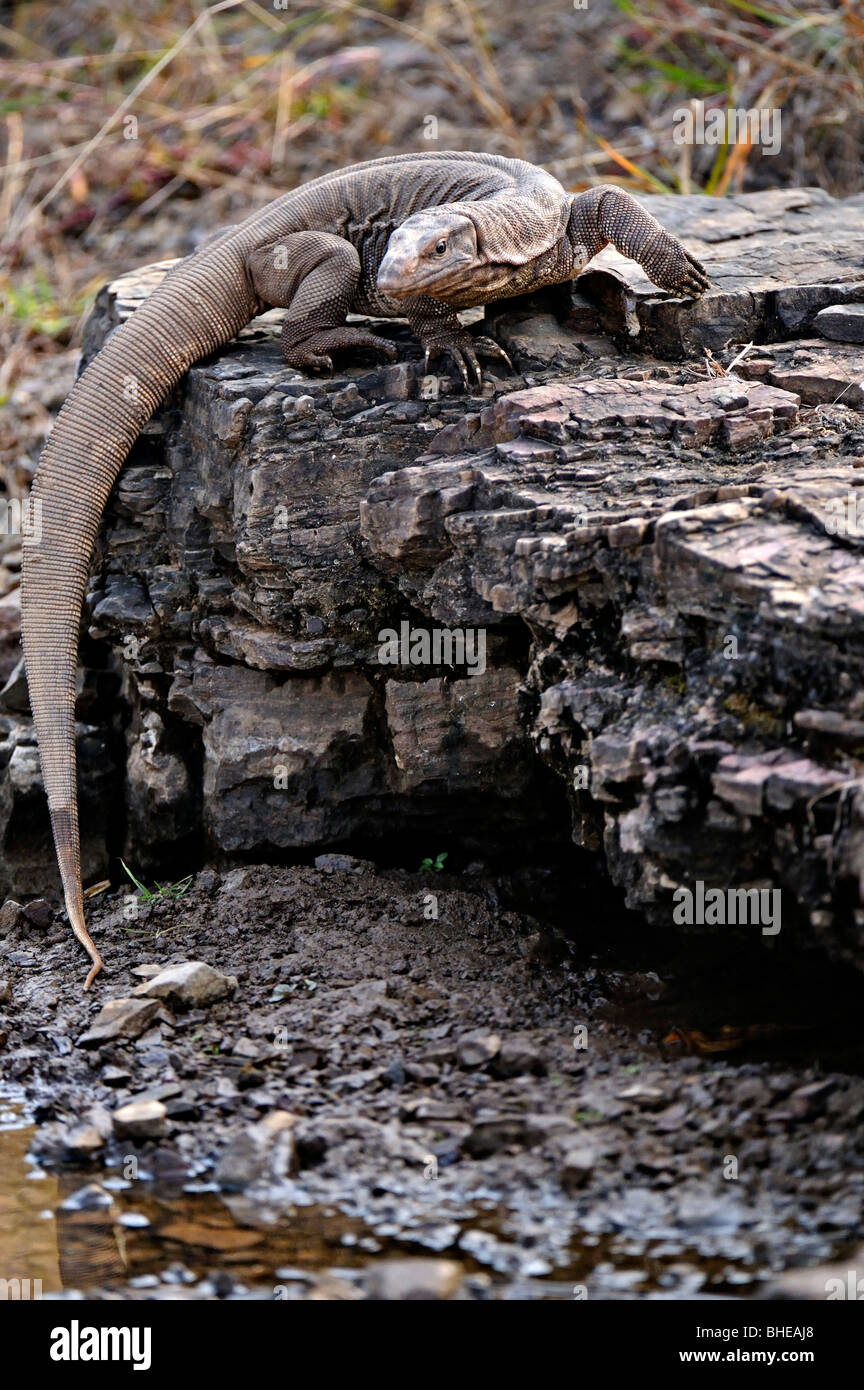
x,y
129,131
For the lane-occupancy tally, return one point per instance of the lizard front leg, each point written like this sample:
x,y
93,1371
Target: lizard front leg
x,y
439,330
607,215
313,275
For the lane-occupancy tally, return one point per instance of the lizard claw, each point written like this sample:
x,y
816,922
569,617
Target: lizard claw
x,y
685,275
487,347
313,352
694,281
466,360
463,352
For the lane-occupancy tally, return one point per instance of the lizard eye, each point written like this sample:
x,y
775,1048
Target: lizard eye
x,y
440,248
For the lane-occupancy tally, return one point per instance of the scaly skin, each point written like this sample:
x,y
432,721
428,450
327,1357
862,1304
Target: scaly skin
x,y
319,252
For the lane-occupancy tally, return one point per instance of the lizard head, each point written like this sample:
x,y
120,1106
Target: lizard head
x,y
429,254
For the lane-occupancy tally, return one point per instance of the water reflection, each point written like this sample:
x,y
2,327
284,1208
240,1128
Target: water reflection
x,y
28,1199
75,1232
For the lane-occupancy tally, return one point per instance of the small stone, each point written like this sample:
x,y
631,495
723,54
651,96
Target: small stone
x,y
395,1074
491,1136
299,408
83,1140
120,1018
337,863
140,1119
347,402
517,1057
207,881
11,916
577,1167
397,1281
647,1097
177,1274
810,1099
146,972
114,1076
40,913
191,985
398,381
475,1049
729,398
842,322
261,1152
22,959
183,1108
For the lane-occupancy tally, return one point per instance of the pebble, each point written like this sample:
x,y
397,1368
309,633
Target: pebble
x,y
842,322
577,1166
475,1049
517,1057
190,985
39,912
91,1197
11,916
264,1150
397,1281
140,1119
120,1018
82,1140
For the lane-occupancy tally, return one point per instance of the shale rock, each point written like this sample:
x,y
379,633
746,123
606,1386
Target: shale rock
x,y
655,525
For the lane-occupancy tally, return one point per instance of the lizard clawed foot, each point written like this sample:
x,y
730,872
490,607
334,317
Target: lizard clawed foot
x,y
695,278
463,351
313,354
675,270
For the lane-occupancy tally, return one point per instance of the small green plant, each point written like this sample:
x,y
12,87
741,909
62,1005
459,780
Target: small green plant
x,y
433,866
159,890
35,306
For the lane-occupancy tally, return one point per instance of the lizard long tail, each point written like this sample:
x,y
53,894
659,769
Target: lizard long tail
x,y
201,305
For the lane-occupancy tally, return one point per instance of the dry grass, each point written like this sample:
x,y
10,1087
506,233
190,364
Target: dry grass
x,y
805,58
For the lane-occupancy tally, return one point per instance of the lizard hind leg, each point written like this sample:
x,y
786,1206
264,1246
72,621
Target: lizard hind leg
x,y
313,352
313,275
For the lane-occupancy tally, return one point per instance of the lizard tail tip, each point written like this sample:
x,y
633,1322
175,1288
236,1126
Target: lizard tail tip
x,y
65,822
96,967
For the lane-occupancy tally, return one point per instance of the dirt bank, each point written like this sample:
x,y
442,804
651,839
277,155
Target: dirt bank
x,y
474,1085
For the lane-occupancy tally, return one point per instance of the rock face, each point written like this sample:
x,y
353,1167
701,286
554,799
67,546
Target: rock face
x,y
618,597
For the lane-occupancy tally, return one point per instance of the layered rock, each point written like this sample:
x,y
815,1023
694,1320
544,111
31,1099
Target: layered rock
x,y
664,562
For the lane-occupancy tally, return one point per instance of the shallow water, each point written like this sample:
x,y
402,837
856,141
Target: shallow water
x,y
68,1230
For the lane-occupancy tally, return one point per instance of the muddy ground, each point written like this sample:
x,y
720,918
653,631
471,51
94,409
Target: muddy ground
x,y
480,1089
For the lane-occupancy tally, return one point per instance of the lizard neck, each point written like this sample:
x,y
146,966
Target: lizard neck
x,y
498,281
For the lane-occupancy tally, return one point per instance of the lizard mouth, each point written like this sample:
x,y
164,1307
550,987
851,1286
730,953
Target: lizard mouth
x,y
399,276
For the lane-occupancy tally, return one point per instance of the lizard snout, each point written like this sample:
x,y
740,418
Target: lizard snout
x,y
395,271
